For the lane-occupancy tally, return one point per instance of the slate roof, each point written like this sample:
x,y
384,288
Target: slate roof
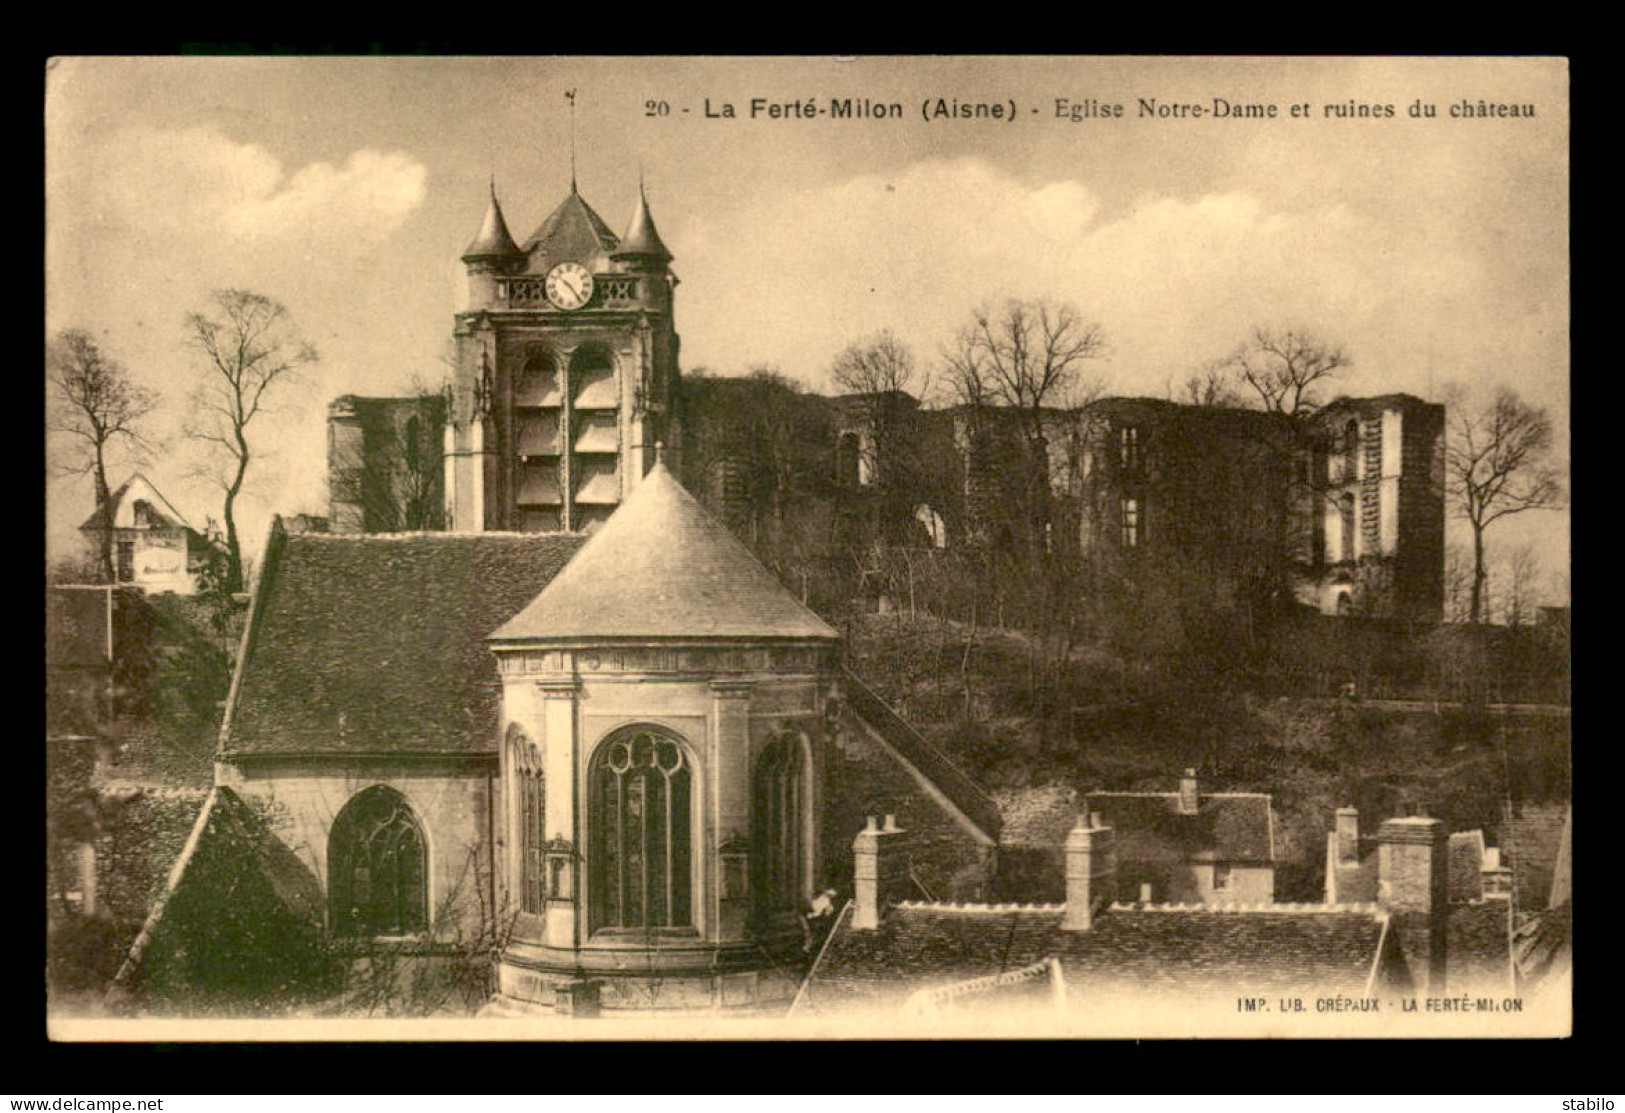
x,y
641,237
377,642
1184,951
572,230
1227,826
493,239
662,567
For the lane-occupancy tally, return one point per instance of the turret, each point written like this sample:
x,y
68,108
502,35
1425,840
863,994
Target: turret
x,y
642,246
490,252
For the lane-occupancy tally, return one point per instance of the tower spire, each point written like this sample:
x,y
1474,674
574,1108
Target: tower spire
x,y
641,240
493,240
570,95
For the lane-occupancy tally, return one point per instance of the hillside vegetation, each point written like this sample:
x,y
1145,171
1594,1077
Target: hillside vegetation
x,y
1099,723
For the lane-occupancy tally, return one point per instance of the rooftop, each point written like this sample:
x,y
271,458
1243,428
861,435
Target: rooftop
x,y
661,567
377,642
1142,949
1227,826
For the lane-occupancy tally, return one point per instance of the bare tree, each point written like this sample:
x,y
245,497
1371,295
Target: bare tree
x,y
249,345
879,372
1458,583
1213,384
1027,360
1496,465
96,404
1285,367
1519,574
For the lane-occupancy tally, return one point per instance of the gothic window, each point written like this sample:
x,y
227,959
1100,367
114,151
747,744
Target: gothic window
x,y
780,812
143,513
528,791
639,832
377,867
1131,523
1351,451
1128,438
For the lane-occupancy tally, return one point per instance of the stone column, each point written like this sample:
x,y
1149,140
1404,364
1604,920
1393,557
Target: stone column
x,y
728,774
559,748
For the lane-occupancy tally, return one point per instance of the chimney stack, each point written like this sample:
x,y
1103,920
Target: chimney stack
x,y
1091,872
1348,836
1413,884
1497,877
879,872
1188,799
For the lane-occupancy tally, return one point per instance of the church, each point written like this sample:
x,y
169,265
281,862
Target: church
x,y
582,721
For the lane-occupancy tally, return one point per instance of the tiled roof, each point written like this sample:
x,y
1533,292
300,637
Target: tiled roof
x,y
377,642
1144,950
76,623
1478,943
661,567
1531,842
107,513
1227,826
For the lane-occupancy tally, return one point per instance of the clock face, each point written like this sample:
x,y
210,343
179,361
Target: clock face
x,y
569,286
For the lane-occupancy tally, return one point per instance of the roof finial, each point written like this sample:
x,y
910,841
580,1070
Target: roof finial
x,y
660,450
570,95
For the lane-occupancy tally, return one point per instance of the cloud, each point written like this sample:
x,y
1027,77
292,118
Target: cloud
x,y
1173,280
197,181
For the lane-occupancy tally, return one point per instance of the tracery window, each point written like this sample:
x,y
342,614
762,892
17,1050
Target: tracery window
x,y
640,836
780,812
377,866
528,790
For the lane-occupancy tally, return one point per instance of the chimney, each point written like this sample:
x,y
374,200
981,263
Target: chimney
x,y
1497,877
879,872
1413,884
1348,836
1091,872
1187,793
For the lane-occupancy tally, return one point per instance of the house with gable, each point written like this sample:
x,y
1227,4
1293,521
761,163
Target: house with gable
x,y
151,545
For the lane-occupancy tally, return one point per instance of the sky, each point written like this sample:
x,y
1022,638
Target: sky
x,y
1434,251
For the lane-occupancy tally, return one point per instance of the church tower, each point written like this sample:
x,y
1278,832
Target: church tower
x,y
566,370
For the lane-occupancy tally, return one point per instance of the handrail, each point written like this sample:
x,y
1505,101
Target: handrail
x,y
954,783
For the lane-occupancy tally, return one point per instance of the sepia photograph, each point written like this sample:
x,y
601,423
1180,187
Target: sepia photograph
x,y
571,548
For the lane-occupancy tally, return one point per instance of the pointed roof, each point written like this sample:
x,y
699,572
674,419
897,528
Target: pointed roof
x,y
106,515
572,229
641,237
661,567
493,239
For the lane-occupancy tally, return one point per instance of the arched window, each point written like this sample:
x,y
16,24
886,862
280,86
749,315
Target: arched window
x,y
1345,507
527,786
639,831
780,814
377,866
